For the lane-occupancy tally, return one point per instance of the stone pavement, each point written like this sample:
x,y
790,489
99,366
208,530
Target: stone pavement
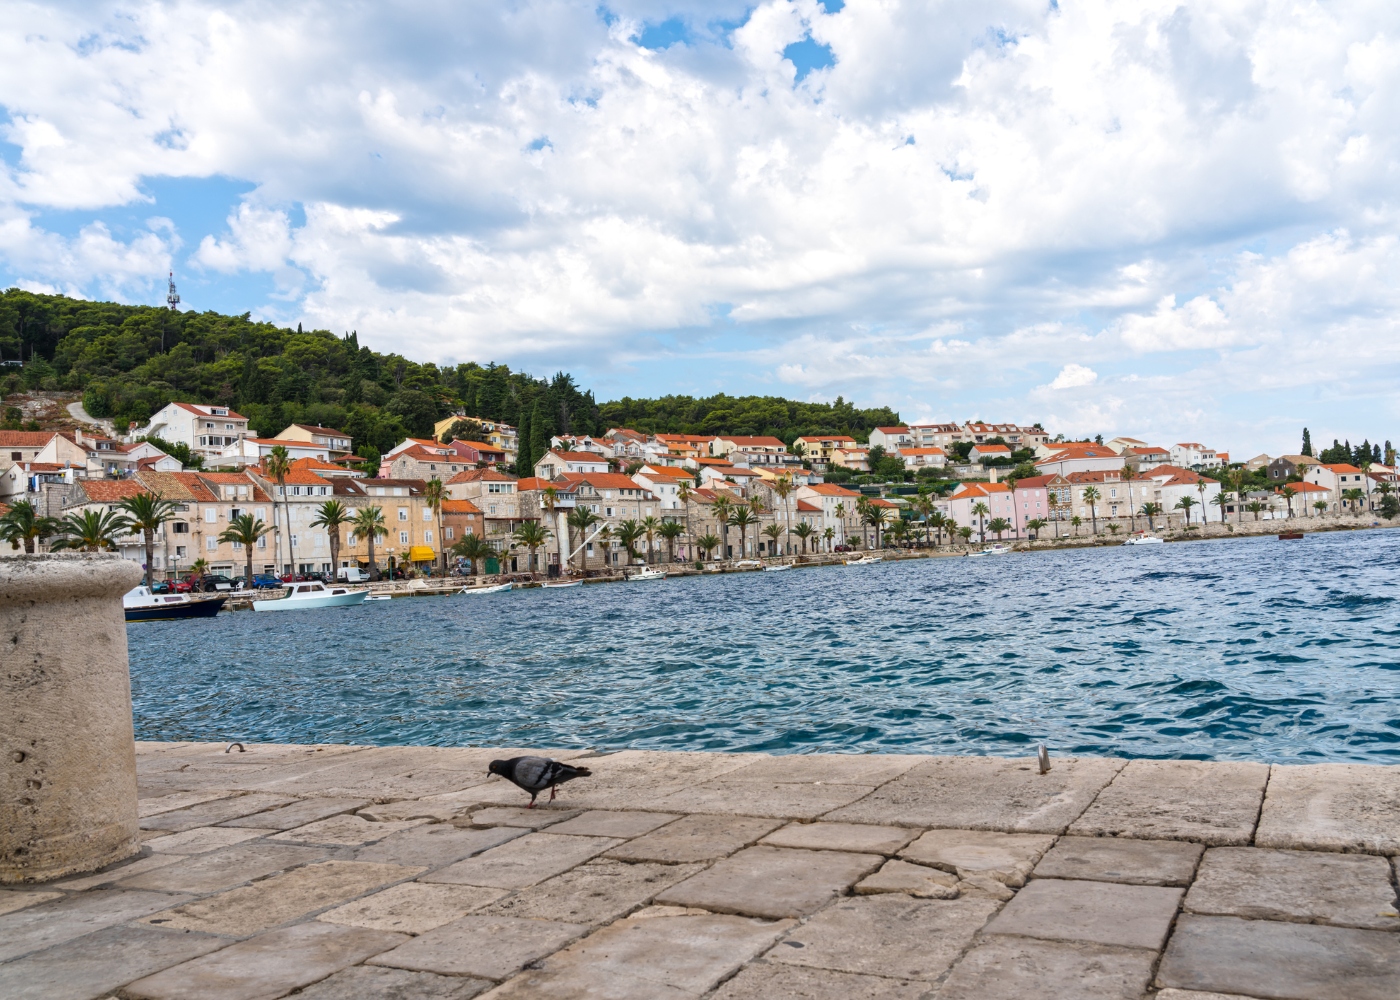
x,y
357,873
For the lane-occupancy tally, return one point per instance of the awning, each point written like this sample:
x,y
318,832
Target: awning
x,y
421,553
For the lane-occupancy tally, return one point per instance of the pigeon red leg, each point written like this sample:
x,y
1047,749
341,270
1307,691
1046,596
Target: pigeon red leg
x,y
552,790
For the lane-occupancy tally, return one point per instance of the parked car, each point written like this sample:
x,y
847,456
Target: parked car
x,y
212,582
352,574
266,581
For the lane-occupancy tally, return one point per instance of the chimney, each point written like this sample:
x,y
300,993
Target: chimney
x,y
993,471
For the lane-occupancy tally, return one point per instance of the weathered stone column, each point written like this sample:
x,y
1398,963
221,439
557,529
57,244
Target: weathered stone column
x,y
68,771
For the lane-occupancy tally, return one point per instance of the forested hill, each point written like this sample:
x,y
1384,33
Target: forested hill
x,y
129,361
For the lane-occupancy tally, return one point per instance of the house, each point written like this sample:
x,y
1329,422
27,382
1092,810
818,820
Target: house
x,y
762,445
1285,467
327,470
336,443
614,498
818,448
410,523
556,463
837,505
1170,483
496,494
417,462
740,479
500,437
892,438
1016,436
459,519
855,458
936,435
1338,479
207,430
1193,455
254,450
997,497
994,452
919,458
1122,444
1117,497
1080,458
582,442
1145,456
664,482
1304,496
1041,498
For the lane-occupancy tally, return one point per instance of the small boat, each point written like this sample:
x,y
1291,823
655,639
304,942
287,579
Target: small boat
x,y
1143,540
379,597
642,576
499,588
777,567
864,561
310,595
1289,536
748,564
564,583
140,605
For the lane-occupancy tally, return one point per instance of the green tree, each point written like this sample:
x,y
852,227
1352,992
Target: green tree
x,y
1354,498
670,530
741,517
774,532
877,517
580,519
1035,524
981,510
707,543
1075,522
146,513
998,525
803,531
783,488
1389,506
1128,474
629,532
532,534
1221,500
1320,506
434,493
1091,497
368,523
1288,493
649,528
90,531
1307,443
1184,505
475,549
830,535
22,526
720,507
277,465
1254,507
245,530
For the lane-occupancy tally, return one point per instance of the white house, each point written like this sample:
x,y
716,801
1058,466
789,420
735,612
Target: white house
x,y
1337,479
918,458
252,450
1193,455
208,430
664,482
892,438
1080,458
982,452
557,463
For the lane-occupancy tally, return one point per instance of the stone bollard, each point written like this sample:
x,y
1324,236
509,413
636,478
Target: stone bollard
x,y
68,786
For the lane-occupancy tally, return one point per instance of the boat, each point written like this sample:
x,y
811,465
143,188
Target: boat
x,y
564,583
647,574
499,588
310,595
748,564
1289,536
140,605
379,597
777,567
864,560
1143,540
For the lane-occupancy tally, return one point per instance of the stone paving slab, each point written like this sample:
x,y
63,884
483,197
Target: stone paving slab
x,y
894,936
96,964
18,899
1005,857
695,838
786,800
611,823
345,831
484,947
223,869
1113,859
636,779
413,907
648,958
248,910
298,813
1197,995
1332,807
369,982
858,837
214,812
985,793
1214,803
765,981
1344,890
177,800
521,816
828,768
1281,961
436,844
118,872
1016,968
910,879
53,923
524,861
270,965
598,892
1124,916
772,882
202,839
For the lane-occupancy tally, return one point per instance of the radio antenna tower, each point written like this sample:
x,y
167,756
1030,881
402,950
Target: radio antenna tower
x,y
172,297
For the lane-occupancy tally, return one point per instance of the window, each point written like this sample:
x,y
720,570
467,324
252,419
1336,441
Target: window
x,y
180,527
427,513
403,513
262,542
211,543
180,552
211,515
427,538
294,541
448,532
234,513
403,537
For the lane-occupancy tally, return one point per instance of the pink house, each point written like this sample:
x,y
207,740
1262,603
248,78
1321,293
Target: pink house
x,y
997,496
1040,498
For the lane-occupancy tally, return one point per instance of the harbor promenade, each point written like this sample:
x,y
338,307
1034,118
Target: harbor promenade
x,y
358,873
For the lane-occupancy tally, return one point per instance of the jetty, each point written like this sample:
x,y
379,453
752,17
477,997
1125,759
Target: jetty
x,y
338,872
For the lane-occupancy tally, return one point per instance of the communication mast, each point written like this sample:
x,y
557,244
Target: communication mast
x,y
172,297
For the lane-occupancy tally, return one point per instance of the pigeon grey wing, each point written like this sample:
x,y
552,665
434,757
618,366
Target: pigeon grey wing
x,y
533,773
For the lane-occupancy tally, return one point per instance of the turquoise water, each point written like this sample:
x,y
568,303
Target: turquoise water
x,y
1258,649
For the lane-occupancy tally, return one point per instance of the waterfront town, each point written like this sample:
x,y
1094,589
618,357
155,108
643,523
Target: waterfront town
x,y
302,503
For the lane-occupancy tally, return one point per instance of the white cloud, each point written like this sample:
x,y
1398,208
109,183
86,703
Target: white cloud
x,y
1074,377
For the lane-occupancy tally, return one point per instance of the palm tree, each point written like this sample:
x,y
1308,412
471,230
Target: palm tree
x,y
830,535
897,531
331,515
720,508
90,531
368,523
245,530
1114,528
803,531
670,530
649,528
707,543
278,464
862,518
1320,506
1149,511
683,495
474,549
1241,480
741,518
200,566
1201,489
980,509
782,488
1354,497
1184,505
1091,497
924,505
1035,524
1075,522
1128,475
531,534
965,533
999,525
628,532
549,500
580,519
1254,508
1221,500
146,512
774,532
22,526
434,493
876,517
1288,493
840,511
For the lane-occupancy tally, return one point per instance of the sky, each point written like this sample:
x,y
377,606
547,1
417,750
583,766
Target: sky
x,y
1172,221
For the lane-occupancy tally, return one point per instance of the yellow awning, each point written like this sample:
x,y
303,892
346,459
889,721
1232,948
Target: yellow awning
x,y
421,553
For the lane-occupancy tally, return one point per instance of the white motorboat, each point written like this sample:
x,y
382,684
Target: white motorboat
x,y
777,567
641,576
864,561
140,605
748,564
312,594
379,597
992,550
1143,540
564,583
499,588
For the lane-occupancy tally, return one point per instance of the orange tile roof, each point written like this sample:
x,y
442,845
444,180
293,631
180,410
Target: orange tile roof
x,y
604,480
460,507
481,446
1080,451
479,475
893,430
984,448
1036,481
807,505
110,490
762,440
1342,468
319,430
667,472
312,464
25,439
832,490
923,451
979,490
230,415
1303,488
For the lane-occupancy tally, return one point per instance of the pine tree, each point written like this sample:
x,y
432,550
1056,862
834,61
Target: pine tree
x,y
1307,443
1389,454
524,459
541,430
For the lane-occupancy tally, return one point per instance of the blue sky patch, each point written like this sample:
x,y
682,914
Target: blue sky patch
x,y
664,35
808,55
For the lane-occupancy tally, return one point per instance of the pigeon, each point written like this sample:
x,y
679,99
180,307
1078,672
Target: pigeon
x,y
535,774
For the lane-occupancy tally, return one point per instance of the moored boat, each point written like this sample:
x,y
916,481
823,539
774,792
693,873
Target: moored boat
x,y
140,605
1143,540
641,576
563,583
777,567
311,595
1289,536
864,561
499,588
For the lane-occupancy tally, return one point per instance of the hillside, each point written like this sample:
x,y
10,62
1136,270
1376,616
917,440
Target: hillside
x,y
129,361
